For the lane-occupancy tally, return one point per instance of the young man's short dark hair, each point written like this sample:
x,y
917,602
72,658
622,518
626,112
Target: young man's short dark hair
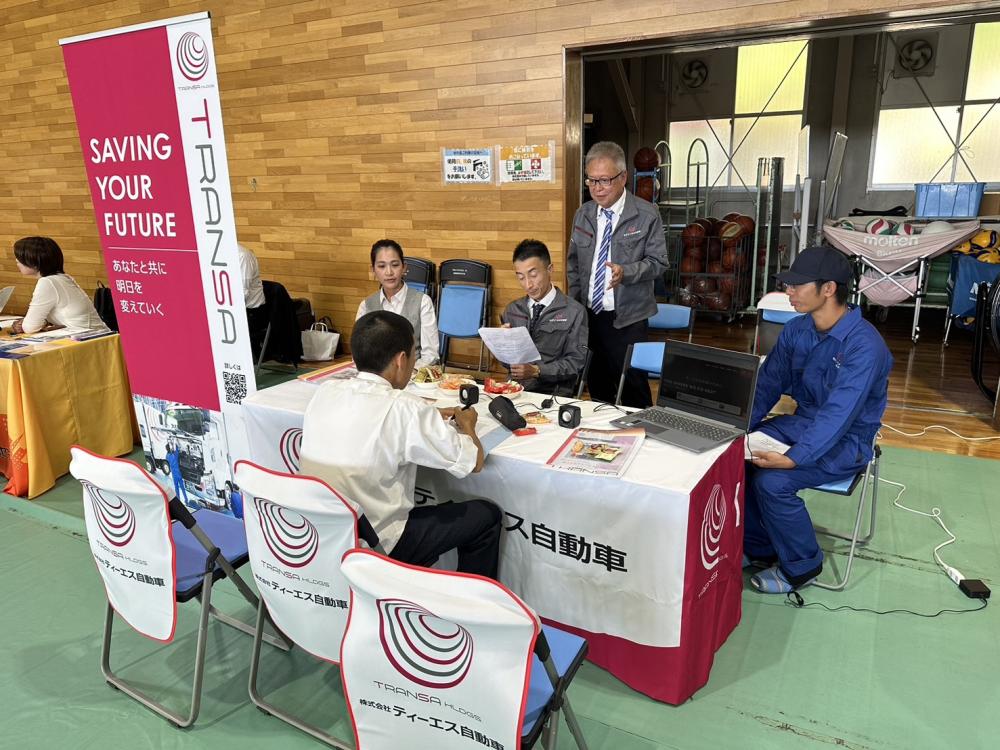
x,y
842,294
390,244
40,253
378,337
527,249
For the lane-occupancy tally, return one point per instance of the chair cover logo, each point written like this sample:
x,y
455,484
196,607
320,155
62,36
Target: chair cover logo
x,y
289,447
422,647
192,56
113,515
289,536
712,524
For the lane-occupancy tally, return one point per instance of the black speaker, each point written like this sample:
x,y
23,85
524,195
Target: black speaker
x,y
569,416
468,394
504,411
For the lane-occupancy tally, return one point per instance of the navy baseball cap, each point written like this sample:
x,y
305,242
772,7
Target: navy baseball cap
x,y
822,263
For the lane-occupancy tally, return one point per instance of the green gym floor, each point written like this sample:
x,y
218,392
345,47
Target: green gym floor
x,y
786,678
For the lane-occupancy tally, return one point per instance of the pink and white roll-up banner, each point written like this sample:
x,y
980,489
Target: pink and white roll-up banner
x,y
147,108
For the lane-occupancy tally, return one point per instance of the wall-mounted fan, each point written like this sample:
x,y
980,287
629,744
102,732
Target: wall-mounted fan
x,y
694,74
915,56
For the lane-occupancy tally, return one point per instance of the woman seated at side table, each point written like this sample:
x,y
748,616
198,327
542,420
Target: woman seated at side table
x,y
58,301
389,269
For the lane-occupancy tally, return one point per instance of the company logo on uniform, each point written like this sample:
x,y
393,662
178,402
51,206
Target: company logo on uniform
x,y
289,447
422,647
113,515
712,524
192,56
289,536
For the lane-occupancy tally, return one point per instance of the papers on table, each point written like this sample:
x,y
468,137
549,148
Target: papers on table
x,y
758,442
512,346
603,453
342,371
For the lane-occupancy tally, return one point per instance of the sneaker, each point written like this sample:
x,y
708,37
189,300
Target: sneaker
x,y
773,581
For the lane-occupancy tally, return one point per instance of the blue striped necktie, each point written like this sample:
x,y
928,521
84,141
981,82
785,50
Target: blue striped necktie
x,y
597,302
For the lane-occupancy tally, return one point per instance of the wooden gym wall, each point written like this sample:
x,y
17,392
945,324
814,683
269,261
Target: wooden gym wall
x,y
335,113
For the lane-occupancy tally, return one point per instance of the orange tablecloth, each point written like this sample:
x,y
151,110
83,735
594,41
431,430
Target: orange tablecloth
x,y
66,393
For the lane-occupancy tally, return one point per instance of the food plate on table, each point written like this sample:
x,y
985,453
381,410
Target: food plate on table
x,y
451,383
428,377
536,418
509,388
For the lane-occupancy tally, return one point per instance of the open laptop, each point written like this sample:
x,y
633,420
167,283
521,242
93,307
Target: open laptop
x,y
6,320
705,400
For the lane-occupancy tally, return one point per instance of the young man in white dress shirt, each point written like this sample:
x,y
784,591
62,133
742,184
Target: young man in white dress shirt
x,y
366,436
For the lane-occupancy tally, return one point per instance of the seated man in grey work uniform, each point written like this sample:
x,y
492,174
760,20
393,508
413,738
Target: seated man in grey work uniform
x,y
556,323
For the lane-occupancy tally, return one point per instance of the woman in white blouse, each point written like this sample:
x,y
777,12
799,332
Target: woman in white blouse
x,y
57,302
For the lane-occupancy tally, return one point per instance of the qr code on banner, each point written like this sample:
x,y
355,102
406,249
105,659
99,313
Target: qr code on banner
x,y
236,386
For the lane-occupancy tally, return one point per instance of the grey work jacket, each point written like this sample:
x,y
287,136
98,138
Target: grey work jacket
x,y
637,245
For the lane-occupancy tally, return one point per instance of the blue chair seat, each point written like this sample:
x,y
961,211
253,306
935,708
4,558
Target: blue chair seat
x,y
226,532
843,486
671,317
779,316
568,651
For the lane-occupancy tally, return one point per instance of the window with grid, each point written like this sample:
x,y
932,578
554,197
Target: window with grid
x,y
765,121
947,140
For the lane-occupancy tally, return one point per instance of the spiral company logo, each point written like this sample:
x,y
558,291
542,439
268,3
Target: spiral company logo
x,y
289,536
712,525
113,515
289,447
422,647
192,56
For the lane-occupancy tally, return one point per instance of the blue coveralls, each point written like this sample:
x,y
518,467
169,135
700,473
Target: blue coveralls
x,y
174,460
839,381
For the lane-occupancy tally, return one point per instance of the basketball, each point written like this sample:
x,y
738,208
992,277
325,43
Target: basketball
x,y
687,299
690,264
719,301
714,249
937,227
715,266
731,230
707,225
731,216
880,226
703,285
716,223
646,159
644,189
730,258
727,285
904,228
984,240
692,231
695,251
747,223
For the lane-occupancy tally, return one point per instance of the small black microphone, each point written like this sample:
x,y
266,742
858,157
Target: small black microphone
x,y
504,411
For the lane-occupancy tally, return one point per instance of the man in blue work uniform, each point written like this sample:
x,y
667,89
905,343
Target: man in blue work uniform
x,y
836,367
174,462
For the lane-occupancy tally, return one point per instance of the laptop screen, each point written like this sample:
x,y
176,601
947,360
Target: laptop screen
x,y
708,382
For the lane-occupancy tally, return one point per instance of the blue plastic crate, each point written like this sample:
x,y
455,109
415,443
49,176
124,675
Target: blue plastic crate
x,y
952,200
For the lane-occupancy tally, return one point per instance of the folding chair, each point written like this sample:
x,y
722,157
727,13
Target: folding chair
x,y
460,660
673,318
282,337
298,529
463,302
868,479
150,564
646,356
420,275
773,311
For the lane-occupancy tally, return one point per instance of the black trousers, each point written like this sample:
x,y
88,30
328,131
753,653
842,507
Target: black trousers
x,y
472,527
608,345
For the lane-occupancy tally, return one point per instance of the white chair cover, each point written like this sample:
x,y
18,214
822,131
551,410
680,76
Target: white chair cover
x,y
128,527
298,529
440,659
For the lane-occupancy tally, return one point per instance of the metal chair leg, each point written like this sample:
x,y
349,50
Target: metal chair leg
x,y
870,482
175,718
270,708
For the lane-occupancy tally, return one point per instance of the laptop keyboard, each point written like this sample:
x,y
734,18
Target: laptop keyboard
x,y
690,426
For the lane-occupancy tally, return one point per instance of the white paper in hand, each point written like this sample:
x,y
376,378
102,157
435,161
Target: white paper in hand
x,y
758,442
512,346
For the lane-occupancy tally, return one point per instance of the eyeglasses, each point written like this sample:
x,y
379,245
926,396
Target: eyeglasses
x,y
602,181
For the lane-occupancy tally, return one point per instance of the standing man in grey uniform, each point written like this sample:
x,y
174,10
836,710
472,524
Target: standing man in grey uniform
x,y
556,323
616,250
